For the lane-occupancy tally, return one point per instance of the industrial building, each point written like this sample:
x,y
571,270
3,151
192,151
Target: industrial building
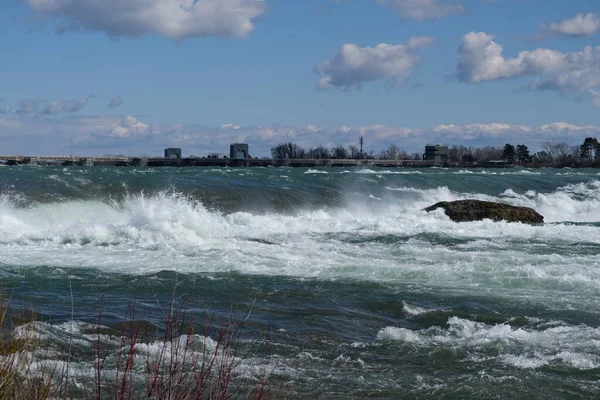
x,y
239,151
173,152
436,153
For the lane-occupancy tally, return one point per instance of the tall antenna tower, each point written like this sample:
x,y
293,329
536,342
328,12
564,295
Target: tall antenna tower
x,y
361,147
71,148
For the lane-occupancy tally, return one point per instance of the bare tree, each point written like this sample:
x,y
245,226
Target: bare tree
x,y
287,150
557,151
339,152
574,154
354,151
488,153
456,153
416,156
319,153
391,153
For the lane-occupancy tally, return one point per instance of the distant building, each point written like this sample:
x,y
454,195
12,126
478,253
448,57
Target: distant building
x,y
173,152
239,151
436,153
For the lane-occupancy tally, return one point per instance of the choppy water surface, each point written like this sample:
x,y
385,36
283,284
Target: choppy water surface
x,y
357,292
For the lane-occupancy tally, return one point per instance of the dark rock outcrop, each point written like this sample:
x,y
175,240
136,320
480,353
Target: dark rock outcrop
x,y
475,210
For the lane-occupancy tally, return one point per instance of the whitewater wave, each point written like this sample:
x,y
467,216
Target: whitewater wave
x,y
383,238
486,172
171,219
571,203
412,309
575,346
388,172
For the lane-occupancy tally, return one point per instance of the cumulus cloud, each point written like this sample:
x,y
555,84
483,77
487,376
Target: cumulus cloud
x,y
353,65
481,59
423,9
176,19
559,131
579,25
128,127
131,135
116,102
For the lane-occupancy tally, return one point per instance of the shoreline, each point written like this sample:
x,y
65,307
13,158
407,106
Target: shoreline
x,y
256,162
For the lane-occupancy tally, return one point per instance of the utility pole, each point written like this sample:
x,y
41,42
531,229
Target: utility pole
x,y
361,147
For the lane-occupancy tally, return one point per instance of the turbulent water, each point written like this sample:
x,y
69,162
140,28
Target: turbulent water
x,y
354,291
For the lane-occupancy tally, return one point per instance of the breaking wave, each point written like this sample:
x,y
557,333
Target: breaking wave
x,y
572,346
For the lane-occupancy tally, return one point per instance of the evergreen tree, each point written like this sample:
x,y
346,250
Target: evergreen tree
x,y
522,154
509,153
590,149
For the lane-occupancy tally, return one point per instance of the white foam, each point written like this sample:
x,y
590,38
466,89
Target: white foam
x,y
577,202
412,309
54,342
316,171
142,235
574,346
367,171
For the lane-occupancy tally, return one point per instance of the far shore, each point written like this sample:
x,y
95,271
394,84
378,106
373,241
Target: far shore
x,y
122,161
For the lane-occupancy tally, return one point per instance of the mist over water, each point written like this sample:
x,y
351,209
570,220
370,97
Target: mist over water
x,y
363,293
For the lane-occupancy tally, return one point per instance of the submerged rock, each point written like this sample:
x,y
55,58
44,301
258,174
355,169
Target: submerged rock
x,y
475,210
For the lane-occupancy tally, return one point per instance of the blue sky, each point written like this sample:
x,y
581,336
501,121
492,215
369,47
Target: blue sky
x,y
135,76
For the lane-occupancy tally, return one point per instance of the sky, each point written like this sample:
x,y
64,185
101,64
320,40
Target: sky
x,y
131,77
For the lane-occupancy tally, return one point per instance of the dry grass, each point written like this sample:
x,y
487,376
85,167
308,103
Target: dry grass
x,y
17,380
133,363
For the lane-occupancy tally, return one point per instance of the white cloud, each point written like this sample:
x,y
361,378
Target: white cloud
x,y
176,19
558,131
130,135
230,126
423,9
355,65
579,25
481,59
127,127
116,102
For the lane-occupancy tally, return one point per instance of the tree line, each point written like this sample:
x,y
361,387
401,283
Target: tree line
x,y
293,151
551,154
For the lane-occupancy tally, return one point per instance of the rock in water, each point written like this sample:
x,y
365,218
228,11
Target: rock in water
x,y
475,210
